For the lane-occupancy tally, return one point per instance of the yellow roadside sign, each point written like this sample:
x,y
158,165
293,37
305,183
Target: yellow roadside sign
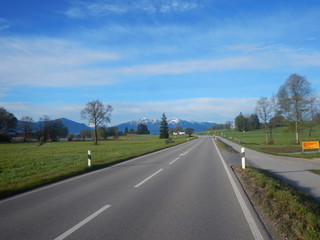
x,y
310,145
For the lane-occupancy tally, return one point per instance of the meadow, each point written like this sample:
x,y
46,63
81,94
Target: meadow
x,y
283,141
25,166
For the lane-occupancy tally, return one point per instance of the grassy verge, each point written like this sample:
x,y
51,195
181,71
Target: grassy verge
x,y
283,141
224,146
316,171
24,166
292,213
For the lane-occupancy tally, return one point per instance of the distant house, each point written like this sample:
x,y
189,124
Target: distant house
x,y
179,133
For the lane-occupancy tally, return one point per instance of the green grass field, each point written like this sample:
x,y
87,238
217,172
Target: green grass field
x,y
28,165
284,141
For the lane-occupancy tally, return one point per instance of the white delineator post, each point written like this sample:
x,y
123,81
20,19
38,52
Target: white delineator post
x,y
243,158
89,158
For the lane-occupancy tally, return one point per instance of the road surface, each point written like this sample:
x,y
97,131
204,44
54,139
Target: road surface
x,y
185,192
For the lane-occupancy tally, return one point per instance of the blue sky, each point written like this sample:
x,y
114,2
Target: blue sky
x,y
196,60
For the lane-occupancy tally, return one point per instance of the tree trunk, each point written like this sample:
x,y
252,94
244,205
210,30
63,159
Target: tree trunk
x,y
95,135
297,133
266,132
25,135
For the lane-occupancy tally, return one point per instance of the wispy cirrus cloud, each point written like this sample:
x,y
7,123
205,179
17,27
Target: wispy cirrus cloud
x,y
51,62
279,55
100,8
4,24
55,62
191,66
248,58
37,110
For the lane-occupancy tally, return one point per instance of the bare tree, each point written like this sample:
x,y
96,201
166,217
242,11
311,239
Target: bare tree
x,y
44,128
85,133
264,110
26,126
96,113
228,124
294,100
313,111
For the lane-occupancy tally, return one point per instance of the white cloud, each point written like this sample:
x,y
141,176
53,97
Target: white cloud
x,y
3,92
307,60
101,8
4,24
181,67
74,12
37,110
54,62
177,6
246,57
278,55
51,62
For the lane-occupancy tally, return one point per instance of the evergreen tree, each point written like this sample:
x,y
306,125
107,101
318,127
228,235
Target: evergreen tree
x,y
253,122
164,130
240,122
142,129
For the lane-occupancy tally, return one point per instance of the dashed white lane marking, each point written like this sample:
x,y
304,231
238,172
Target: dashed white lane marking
x,y
80,224
148,178
174,160
182,154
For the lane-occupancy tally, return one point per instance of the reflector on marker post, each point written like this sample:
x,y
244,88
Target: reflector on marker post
x,y
89,158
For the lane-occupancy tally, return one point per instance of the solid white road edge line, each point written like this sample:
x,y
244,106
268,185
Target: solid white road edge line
x,y
80,224
252,224
174,160
148,178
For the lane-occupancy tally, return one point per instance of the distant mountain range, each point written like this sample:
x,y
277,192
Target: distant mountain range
x,y
152,124
74,127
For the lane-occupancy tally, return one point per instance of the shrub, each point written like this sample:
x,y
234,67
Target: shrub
x,y
4,137
70,137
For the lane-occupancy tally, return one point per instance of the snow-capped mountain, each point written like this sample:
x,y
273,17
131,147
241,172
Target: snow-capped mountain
x,y
174,121
154,125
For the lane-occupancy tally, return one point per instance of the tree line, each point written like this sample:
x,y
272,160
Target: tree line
x,y
52,130
295,104
46,129
95,112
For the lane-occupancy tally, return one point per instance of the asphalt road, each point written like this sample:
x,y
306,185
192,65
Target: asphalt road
x,y
185,192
